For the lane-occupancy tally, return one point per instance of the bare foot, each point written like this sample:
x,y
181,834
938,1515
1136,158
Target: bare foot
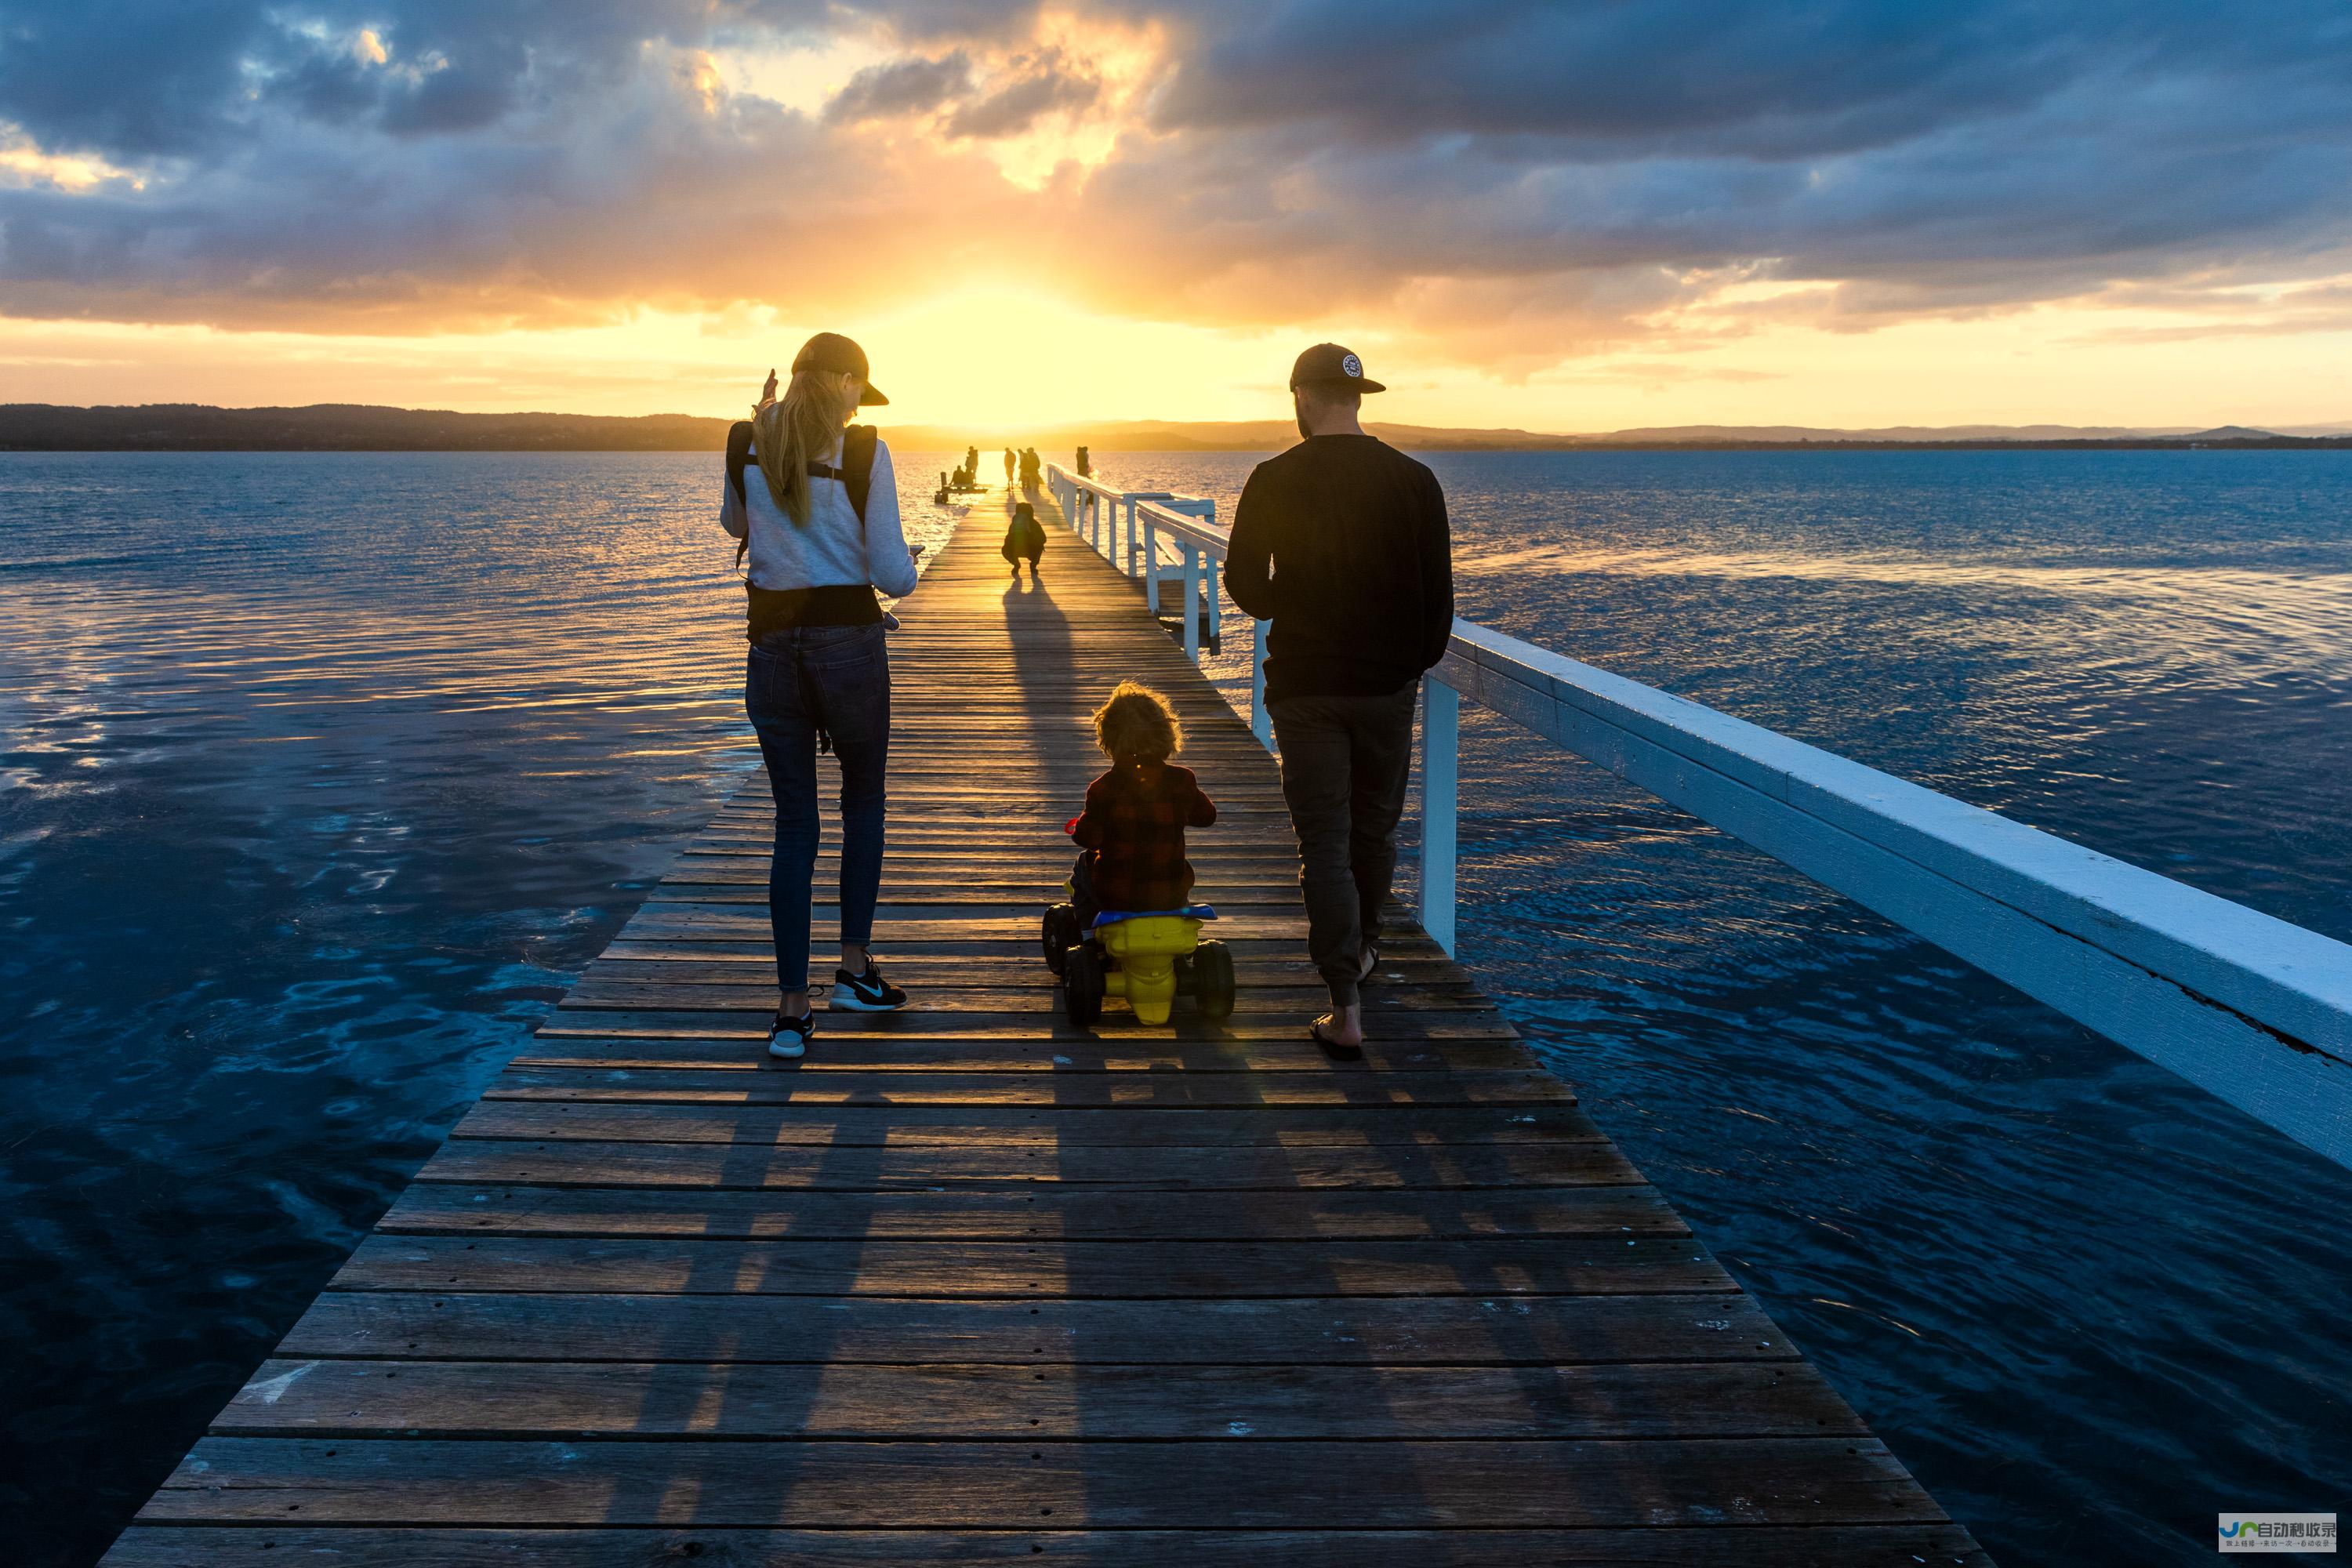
x,y
1340,1031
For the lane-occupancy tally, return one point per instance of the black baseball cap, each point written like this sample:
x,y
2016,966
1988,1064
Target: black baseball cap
x,y
1328,362
831,350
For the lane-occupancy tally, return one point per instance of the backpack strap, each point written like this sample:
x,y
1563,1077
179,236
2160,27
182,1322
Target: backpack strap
x,y
856,472
857,444
738,457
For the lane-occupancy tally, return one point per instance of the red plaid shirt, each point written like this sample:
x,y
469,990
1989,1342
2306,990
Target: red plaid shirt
x,y
1134,822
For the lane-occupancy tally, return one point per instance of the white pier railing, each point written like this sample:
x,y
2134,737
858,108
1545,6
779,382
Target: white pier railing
x,y
2250,1009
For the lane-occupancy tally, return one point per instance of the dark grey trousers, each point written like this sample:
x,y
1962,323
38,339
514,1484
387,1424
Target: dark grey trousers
x,y
1345,761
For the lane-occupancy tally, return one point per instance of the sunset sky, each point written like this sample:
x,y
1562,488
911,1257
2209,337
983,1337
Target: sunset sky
x,y
1560,216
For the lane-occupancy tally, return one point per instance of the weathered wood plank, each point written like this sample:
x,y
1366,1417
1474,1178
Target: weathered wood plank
x,y
851,1087
1358,1330
803,1168
1099,1403
1458,1024
702,988
1035,1270
992,1053
1067,1127
1501,1484
1045,1211
1733,1546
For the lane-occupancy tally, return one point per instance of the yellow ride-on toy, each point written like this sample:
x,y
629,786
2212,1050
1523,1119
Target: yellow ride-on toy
x,y
1148,958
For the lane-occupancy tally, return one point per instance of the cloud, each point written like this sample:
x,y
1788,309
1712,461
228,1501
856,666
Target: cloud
x,y
915,86
139,80
1495,181
1044,83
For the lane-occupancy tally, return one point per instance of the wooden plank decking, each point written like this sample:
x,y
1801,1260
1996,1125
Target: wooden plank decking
x,y
966,1285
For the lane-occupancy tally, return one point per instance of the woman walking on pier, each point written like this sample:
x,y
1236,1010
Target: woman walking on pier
x,y
820,521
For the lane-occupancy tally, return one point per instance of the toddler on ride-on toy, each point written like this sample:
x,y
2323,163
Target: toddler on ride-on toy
x,y
1128,931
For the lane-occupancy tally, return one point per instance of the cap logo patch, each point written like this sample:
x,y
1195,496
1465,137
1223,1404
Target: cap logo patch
x,y
1352,366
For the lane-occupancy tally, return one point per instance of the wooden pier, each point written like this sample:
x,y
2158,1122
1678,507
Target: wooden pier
x,y
967,1285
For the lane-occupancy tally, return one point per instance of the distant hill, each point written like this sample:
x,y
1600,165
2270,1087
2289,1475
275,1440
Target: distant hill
x,y
342,428
1906,435
336,427
2235,433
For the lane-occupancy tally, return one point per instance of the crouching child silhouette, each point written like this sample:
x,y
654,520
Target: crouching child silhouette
x,y
1025,540
1131,834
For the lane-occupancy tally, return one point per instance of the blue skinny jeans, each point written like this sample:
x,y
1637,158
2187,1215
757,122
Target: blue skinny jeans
x,y
799,681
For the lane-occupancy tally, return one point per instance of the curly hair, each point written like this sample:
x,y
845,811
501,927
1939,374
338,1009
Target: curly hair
x,y
1138,725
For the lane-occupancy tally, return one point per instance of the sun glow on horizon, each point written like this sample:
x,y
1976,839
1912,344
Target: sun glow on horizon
x,y
1002,356
998,357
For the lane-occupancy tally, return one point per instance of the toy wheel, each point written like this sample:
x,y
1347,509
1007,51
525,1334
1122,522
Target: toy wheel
x,y
1213,970
1060,934
1082,985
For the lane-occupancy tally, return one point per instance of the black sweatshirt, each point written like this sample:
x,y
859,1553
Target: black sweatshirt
x,y
1341,543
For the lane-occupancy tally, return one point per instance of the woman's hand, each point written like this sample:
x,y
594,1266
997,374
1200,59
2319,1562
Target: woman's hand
x,y
768,393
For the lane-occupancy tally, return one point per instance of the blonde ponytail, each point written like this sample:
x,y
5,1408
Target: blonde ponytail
x,y
801,428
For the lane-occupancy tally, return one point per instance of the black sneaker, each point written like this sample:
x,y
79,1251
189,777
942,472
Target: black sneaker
x,y
788,1037
866,992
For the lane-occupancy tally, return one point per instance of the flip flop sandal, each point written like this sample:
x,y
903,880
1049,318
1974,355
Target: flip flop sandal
x,y
1331,1048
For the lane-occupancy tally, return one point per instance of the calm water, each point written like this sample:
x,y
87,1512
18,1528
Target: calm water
x,y
320,775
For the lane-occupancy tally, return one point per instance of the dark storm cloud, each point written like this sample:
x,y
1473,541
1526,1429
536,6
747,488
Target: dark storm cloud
x,y
143,79
1718,75
132,80
1955,157
1583,162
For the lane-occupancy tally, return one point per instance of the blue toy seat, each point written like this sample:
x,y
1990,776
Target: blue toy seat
x,y
1190,911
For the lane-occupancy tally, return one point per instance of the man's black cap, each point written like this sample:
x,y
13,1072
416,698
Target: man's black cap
x,y
831,350
1332,364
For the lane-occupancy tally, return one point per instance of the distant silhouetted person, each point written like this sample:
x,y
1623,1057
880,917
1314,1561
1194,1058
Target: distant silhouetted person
x,y
1024,539
972,462
1009,461
1033,468
1086,466
1341,543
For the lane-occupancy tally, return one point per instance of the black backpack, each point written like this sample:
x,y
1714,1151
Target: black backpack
x,y
856,473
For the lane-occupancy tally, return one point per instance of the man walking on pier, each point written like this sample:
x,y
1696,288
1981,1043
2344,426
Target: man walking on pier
x,y
1341,543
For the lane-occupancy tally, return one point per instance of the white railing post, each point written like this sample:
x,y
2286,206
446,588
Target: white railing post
x,y
1261,722
1150,566
1441,727
1192,602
